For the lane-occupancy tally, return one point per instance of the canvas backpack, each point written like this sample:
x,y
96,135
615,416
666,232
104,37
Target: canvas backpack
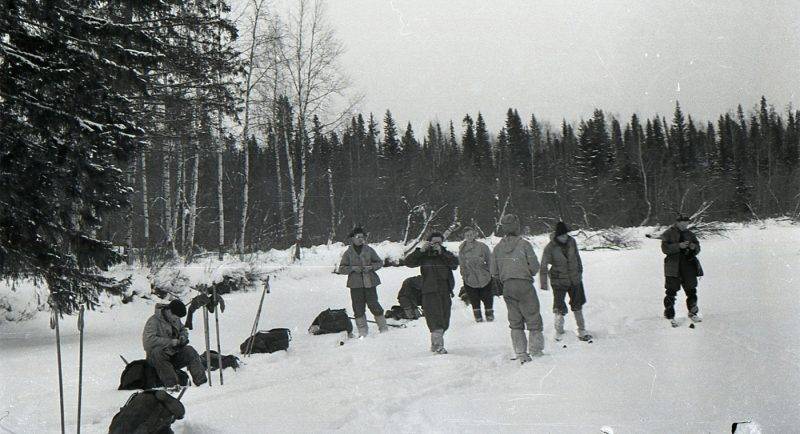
x,y
150,411
139,374
331,321
267,341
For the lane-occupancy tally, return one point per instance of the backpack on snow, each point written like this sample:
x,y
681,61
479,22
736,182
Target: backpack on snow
x,y
139,374
229,361
331,321
268,341
150,411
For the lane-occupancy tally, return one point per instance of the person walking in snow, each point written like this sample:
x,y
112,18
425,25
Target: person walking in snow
x,y
166,345
436,265
474,258
561,262
513,265
359,263
681,268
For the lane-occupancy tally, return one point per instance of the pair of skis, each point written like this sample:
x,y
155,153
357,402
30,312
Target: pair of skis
x,y
692,321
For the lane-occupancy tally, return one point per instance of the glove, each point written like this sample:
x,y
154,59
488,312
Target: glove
x,y
544,287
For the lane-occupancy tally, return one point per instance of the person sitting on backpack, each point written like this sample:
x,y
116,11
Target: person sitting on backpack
x,y
410,297
166,345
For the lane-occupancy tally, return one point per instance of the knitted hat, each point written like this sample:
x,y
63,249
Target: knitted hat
x,y
509,225
177,308
561,229
682,218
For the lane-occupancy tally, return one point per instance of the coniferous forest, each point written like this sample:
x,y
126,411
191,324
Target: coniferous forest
x,y
164,128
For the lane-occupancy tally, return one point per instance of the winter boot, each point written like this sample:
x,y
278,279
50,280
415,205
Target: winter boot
x,y
582,333
694,314
437,342
559,325
363,328
520,344
536,342
489,315
381,321
478,316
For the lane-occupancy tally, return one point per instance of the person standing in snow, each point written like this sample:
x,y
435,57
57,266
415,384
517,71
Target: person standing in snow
x,y
166,345
513,265
436,266
474,258
359,263
681,267
561,262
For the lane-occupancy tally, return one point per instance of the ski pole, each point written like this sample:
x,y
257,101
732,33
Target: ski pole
x,y
54,324
400,326
80,367
258,315
216,320
208,345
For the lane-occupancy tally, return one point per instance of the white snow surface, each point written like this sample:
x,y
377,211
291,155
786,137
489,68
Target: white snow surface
x,y
742,363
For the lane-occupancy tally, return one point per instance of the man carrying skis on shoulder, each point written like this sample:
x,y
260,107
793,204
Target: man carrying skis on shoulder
x,y
166,344
681,268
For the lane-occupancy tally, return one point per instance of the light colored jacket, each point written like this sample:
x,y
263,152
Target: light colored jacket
x,y
475,259
513,258
564,262
352,263
159,332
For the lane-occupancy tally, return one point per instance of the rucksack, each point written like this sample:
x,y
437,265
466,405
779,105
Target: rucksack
x,y
267,341
331,321
150,411
229,361
139,374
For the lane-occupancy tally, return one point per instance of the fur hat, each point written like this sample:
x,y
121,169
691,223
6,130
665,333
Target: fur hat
x,y
177,308
561,229
509,225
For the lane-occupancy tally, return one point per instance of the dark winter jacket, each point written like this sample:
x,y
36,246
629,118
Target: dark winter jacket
x,y
352,264
159,331
670,241
410,295
564,262
436,269
474,260
513,258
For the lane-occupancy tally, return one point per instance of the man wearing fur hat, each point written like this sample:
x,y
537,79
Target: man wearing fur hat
x,y
436,266
166,345
681,267
359,263
514,264
561,262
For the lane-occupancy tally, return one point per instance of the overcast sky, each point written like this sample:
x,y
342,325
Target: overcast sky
x,y
440,59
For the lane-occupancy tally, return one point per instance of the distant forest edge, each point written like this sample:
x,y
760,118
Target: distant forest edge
x,y
598,173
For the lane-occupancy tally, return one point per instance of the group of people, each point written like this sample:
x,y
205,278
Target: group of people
x,y
507,270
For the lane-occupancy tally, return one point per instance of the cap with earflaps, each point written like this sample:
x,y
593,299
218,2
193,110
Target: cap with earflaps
x,y
357,230
177,308
682,218
434,235
561,229
509,225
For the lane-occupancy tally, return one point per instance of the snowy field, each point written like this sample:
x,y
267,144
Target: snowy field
x,y
640,375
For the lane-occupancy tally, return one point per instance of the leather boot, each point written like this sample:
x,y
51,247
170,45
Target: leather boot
x,y
489,315
477,314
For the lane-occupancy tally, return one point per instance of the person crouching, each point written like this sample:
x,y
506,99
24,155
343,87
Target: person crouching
x,y
166,345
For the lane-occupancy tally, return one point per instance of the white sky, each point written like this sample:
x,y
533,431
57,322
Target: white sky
x,y
429,59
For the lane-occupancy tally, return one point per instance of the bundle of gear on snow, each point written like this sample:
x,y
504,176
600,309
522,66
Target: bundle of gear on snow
x,y
267,341
150,411
202,300
229,361
331,321
139,374
397,312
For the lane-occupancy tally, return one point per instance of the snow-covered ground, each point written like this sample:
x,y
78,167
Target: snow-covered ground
x,y
640,375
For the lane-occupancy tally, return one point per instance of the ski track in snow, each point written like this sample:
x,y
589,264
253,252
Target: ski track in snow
x,y
640,375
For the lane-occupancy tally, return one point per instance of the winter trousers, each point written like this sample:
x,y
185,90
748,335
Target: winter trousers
x,y
672,286
436,306
363,298
478,295
523,312
167,360
577,298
